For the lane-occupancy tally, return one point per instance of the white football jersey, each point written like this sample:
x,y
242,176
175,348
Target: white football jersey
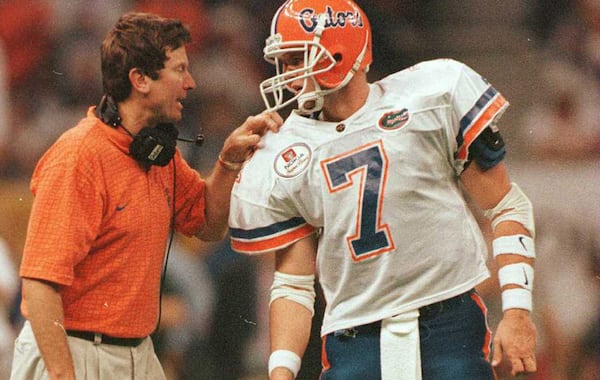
x,y
382,189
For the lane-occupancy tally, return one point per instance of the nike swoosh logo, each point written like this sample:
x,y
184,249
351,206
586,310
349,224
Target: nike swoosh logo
x,y
121,208
522,241
526,279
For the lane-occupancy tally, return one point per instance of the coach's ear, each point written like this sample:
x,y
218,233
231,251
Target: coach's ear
x,y
140,82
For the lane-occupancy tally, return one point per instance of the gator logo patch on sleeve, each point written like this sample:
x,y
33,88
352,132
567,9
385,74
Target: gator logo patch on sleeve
x,y
394,120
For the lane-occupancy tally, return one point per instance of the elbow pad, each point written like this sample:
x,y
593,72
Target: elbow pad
x,y
297,288
516,207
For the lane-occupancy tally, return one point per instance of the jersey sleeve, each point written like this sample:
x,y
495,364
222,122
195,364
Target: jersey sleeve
x,y
476,105
262,219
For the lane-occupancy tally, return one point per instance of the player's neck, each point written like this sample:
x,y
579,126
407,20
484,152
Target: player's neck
x,y
344,103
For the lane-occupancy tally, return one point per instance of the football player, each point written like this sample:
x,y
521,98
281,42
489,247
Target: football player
x,y
365,188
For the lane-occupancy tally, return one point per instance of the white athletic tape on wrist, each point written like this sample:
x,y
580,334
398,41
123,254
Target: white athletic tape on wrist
x,y
297,288
514,244
517,298
516,207
285,358
516,274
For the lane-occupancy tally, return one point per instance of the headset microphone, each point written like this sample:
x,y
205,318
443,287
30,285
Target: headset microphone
x,y
198,141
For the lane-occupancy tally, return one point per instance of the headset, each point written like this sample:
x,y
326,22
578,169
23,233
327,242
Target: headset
x,y
152,145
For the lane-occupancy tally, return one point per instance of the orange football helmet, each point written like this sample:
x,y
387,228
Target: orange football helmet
x,y
335,38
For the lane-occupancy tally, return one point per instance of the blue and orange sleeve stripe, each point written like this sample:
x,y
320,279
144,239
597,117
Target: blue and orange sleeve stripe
x,y
269,238
487,107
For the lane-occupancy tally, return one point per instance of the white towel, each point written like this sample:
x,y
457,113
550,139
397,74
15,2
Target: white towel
x,y
400,347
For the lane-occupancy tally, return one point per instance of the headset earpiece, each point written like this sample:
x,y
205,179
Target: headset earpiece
x,y
152,145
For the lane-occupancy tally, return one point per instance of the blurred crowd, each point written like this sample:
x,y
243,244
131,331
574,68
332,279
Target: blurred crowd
x,y
214,304
562,168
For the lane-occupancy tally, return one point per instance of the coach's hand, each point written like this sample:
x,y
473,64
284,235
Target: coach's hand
x,y
516,338
245,139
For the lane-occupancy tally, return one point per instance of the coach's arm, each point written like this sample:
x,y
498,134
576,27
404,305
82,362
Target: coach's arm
x,y
46,315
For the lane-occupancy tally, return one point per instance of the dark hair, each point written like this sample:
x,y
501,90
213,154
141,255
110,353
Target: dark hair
x,y
138,40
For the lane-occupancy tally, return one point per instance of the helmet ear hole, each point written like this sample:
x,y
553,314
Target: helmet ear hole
x,y
337,57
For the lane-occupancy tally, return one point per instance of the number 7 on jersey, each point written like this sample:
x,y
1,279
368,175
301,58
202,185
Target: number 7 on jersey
x,y
365,167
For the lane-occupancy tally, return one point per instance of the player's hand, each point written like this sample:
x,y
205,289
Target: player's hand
x,y
245,139
516,339
281,373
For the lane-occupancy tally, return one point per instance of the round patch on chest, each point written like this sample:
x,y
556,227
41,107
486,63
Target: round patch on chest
x,y
292,160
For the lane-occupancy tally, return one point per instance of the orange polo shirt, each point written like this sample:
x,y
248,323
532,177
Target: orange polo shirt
x,y
99,227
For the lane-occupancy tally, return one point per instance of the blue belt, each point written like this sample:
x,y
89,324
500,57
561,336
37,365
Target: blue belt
x,y
425,312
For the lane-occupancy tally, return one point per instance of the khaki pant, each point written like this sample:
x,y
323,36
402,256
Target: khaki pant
x,y
92,362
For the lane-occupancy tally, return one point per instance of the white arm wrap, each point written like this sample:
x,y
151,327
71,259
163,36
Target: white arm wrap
x,y
514,244
516,207
285,358
297,288
520,274
516,299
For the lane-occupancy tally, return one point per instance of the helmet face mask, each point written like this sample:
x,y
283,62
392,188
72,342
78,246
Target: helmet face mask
x,y
315,60
334,39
